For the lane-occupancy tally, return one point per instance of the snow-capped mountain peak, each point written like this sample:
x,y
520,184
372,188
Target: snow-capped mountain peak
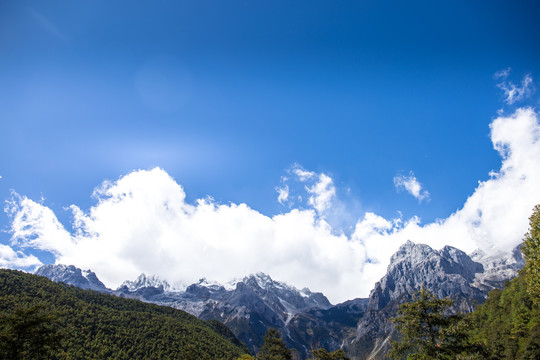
x,y
69,274
144,281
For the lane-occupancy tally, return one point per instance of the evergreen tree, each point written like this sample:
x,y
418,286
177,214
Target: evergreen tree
x,y
531,252
428,333
323,354
28,333
274,348
508,323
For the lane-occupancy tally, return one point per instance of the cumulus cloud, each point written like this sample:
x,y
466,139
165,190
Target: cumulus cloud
x,y
411,185
317,190
36,226
494,218
142,223
10,258
319,187
322,193
512,92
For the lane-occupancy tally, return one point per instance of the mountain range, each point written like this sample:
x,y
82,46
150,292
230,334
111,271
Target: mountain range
x,y
307,320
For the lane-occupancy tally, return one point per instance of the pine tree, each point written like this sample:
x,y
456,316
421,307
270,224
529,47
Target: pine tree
x,y
246,357
531,252
428,333
29,333
508,323
274,348
323,354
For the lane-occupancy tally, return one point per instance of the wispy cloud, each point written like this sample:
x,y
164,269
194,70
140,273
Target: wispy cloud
x,y
512,92
318,188
283,194
48,25
303,175
322,193
411,185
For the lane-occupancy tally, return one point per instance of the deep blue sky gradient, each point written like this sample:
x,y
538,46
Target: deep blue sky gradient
x,y
226,95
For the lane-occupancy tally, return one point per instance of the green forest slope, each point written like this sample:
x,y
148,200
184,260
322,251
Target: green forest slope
x,y
92,325
508,323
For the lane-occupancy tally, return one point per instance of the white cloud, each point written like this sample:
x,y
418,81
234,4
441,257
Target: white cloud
x,y
512,92
411,185
322,193
12,259
283,194
319,188
494,218
142,223
36,226
303,175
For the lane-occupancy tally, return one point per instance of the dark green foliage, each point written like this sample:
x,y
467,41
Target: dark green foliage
x,y
99,326
29,333
224,331
322,354
274,348
427,332
531,253
508,323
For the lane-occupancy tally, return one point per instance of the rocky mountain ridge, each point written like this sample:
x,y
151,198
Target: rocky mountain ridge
x,y
250,306
307,320
71,275
448,272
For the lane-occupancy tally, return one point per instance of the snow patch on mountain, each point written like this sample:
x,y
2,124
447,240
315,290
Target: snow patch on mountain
x,y
151,281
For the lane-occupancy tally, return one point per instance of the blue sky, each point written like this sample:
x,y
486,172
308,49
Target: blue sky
x,y
229,97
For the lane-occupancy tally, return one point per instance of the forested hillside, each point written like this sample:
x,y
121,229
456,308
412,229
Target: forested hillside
x,y
90,325
508,323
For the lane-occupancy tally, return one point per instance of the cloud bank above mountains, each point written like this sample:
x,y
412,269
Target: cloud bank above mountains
x,y
142,223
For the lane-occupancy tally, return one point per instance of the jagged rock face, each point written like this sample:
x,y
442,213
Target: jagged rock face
x,y
448,272
258,303
84,279
497,269
249,307
144,281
